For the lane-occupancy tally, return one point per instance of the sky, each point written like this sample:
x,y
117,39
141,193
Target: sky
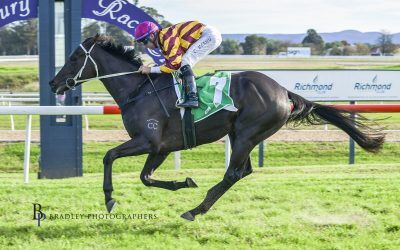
x,y
284,16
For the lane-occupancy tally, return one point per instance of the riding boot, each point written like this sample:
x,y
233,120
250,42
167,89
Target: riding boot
x,y
189,85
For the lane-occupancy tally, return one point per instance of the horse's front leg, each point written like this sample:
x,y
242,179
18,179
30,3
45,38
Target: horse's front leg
x,y
152,163
139,145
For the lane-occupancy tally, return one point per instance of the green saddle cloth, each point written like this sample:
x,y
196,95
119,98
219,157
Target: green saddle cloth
x,y
213,91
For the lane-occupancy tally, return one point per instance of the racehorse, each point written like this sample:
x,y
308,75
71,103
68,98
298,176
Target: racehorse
x,y
263,108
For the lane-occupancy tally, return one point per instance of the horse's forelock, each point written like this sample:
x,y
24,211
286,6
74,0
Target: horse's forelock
x,y
103,38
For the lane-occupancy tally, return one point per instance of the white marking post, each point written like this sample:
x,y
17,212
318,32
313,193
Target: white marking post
x,y
27,154
227,151
177,160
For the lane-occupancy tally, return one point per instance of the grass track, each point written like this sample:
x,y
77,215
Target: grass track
x,y
211,156
314,206
321,207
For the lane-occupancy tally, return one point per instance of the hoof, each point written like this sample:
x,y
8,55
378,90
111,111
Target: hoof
x,y
190,182
187,216
111,205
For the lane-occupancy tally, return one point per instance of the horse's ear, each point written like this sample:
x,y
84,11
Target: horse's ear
x,y
96,37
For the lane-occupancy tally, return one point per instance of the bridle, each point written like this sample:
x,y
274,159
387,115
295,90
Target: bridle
x,y
72,82
79,75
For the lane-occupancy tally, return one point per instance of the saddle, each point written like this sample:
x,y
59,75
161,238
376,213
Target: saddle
x,y
213,94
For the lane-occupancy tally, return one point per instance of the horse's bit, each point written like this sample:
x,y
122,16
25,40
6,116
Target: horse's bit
x,y
75,80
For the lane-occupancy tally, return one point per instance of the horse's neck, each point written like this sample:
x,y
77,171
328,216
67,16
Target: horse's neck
x,y
122,88
119,87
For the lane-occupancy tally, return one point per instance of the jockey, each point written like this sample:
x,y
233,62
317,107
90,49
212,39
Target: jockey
x,y
183,45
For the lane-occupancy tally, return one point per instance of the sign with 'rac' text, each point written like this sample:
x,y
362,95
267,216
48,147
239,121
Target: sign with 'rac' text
x,y
122,14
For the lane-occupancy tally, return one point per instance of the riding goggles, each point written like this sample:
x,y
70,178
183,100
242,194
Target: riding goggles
x,y
144,40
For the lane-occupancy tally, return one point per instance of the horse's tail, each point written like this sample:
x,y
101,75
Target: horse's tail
x,y
311,113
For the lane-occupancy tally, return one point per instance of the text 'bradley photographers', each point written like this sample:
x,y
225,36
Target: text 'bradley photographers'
x,y
40,216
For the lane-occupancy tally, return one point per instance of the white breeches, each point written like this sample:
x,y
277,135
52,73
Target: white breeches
x,y
209,41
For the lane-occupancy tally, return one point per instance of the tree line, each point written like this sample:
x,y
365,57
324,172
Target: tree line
x,y
20,38
258,45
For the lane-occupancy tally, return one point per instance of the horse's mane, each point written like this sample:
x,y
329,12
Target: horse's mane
x,y
108,44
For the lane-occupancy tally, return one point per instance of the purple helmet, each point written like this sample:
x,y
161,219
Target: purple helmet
x,y
144,29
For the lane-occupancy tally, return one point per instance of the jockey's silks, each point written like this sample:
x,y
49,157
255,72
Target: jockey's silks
x,y
175,40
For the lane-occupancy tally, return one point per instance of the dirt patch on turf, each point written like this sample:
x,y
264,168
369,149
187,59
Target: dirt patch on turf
x,y
335,219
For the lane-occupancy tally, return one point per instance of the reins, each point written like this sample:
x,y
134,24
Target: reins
x,y
79,74
75,80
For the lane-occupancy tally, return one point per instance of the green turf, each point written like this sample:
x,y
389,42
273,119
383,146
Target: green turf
x,y
245,62
321,207
334,206
210,156
18,69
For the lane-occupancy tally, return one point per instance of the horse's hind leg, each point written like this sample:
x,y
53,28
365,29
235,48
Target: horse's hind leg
x,y
237,169
152,163
239,166
248,168
136,146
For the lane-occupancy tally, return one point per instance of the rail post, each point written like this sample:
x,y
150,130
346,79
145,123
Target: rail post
x,y
261,154
86,117
227,151
352,149
27,153
177,160
12,119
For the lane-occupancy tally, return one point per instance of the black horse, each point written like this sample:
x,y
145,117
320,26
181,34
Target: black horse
x,y
263,108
